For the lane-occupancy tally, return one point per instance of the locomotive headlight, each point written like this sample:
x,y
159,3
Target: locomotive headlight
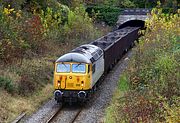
x,y
58,83
82,83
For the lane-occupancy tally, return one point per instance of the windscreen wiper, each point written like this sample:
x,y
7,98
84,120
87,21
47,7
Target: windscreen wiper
x,y
64,64
78,64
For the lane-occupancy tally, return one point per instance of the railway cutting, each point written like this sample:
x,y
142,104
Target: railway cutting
x,y
78,74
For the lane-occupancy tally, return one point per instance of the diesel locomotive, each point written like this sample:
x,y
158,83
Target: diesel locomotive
x,y
77,73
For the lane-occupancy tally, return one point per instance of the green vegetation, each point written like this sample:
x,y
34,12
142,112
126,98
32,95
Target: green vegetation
x,y
28,38
35,32
32,34
152,75
111,112
135,3
124,84
108,10
7,84
107,14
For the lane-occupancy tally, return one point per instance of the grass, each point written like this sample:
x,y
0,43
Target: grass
x,y
33,79
13,105
111,111
26,75
123,83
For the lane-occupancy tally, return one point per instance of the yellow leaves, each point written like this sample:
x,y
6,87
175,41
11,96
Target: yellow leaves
x,y
8,10
18,14
172,113
154,67
157,17
135,80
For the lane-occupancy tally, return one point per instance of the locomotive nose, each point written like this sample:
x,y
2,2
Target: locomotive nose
x,y
82,95
58,94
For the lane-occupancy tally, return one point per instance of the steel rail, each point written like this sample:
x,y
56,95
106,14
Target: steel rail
x,y
53,116
19,118
77,114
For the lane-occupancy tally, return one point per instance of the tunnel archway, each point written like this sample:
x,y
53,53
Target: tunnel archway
x,y
133,23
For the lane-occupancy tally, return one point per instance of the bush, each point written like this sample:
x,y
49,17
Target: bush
x,y
7,84
53,20
10,42
107,14
153,72
27,37
79,26
33,34
155,65
35,74
19,34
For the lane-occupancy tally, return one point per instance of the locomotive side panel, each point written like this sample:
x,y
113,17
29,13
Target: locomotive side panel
x,y
97,70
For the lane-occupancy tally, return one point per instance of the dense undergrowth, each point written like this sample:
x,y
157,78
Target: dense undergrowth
x,y
35,32
104,13
107,11
153,75
32,35
27,37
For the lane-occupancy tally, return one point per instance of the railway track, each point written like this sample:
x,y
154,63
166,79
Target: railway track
x,y
54,115
77,114
92,111
58,114
64,114
21,116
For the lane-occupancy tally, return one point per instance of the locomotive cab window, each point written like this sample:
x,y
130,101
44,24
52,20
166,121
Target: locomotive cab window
x,y
95,56
79,68
63,68
100,52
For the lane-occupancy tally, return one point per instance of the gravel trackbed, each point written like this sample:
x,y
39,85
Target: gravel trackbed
x,y
94,110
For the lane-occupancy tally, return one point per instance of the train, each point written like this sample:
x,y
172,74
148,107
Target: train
x,y
78,73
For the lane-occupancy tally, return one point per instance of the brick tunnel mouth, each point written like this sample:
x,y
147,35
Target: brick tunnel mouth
x,y
133,23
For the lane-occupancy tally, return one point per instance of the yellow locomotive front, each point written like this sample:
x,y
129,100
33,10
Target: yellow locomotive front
x,y
72,81
76,73
72,76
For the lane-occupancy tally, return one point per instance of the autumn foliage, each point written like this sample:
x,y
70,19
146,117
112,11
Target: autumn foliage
x,y
153,74
30,36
